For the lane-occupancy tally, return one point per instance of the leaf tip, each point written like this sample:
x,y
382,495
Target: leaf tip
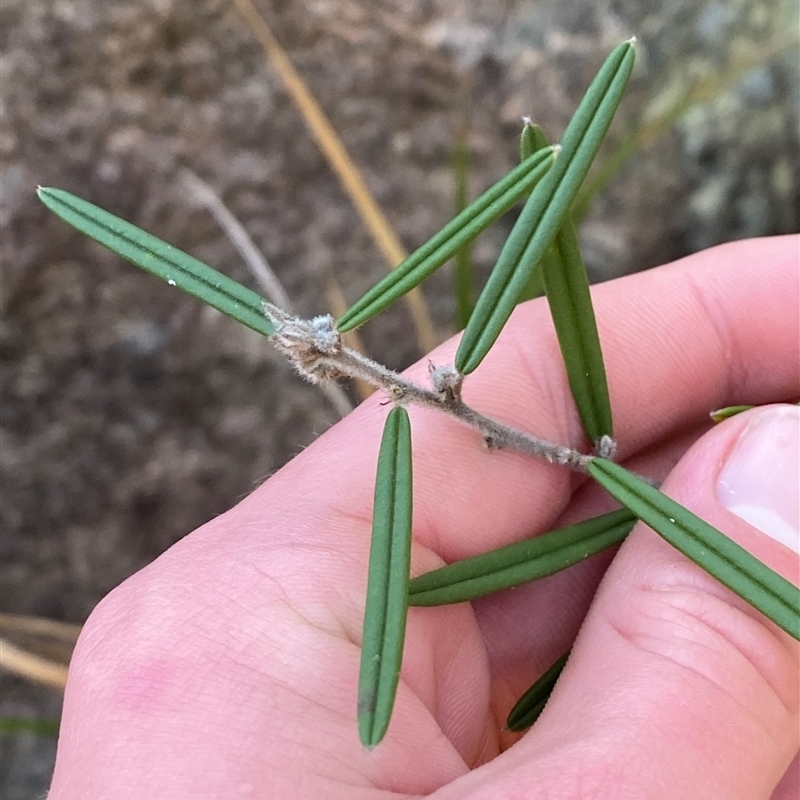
x,y
721,414
632,41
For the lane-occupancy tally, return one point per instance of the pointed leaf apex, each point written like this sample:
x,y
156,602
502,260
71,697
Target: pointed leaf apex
x,y
159,258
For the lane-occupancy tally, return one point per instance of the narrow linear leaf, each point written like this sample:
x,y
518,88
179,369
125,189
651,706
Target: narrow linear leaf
x,y
567,289
459,232
463,271
521,562
387,586
730,564
722,414
528,145
156,256
528,142
546,209
528,708
729,411
566,286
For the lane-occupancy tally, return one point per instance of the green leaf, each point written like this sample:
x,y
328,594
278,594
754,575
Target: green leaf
x,y
449,240
527,709
521,562
463,272
566,285
729,411
546,209
722,414
730,564
153,255
528,145
567,288
387,586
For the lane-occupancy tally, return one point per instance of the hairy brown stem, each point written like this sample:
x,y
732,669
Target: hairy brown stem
x,y
315,348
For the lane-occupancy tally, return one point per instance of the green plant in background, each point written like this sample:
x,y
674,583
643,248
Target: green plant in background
x,y
16,726
542,242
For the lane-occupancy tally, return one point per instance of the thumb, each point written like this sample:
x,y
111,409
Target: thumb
x,y
676,687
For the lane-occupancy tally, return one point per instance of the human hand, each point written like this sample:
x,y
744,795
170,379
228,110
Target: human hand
x,y
228,668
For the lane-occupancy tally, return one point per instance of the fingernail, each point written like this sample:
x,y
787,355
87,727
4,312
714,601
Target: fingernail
x,y
760,479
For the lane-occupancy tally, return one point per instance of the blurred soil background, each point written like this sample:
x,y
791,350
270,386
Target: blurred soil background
x,y
130,414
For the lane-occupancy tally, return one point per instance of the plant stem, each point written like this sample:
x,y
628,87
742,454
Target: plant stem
x,y
315,348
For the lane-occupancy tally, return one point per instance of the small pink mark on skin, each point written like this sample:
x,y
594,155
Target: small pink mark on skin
x,y
146,687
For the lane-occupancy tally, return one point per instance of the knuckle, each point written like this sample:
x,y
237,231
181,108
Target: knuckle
x,y
713,638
